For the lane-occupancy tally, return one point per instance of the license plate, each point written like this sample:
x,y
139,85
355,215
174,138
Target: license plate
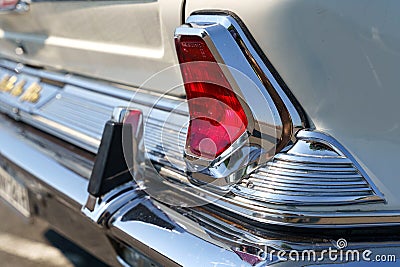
x,y
15,193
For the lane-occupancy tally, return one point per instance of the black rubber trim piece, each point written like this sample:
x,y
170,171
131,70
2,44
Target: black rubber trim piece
x,y
110,168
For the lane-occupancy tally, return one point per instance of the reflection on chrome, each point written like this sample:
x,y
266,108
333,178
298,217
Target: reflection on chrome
x,y
315,171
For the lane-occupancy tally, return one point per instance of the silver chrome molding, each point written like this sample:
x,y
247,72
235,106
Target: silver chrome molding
x,y
18,148
143,223
76,109
286,215
273,119
317,170
110,203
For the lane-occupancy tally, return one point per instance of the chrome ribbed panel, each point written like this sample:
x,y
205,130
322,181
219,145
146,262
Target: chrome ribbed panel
x,y
164,143
79,114
76,109
87,114
312,172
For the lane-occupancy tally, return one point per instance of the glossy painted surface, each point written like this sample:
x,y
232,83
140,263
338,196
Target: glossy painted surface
x,y
125,41
340,60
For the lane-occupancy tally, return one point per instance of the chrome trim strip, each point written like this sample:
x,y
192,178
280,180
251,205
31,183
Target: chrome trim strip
x,y
20,151
270,213
118,91
110,203
77,110
306,134
145,222
168,234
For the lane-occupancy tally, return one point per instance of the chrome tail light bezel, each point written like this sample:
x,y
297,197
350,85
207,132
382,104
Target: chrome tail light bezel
x,y
238,58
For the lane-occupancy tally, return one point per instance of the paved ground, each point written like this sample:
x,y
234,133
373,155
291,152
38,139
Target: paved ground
x,y
23,244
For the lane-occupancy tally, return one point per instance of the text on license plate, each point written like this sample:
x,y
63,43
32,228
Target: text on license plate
x,y
14,193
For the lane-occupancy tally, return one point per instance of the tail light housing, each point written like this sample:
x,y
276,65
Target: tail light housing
x,y
217,118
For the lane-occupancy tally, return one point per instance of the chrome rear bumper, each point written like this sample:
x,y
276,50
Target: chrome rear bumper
x,y
138,228
57,194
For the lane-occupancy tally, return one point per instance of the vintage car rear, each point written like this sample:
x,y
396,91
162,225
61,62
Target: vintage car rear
x,y
205,133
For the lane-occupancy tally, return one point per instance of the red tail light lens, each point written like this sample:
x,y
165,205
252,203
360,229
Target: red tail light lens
x,y
217,118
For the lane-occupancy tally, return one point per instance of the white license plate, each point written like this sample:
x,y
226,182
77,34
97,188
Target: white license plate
x,y
14,193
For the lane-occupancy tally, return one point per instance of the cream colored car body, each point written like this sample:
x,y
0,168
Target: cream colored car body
x,y
121,41
339,59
